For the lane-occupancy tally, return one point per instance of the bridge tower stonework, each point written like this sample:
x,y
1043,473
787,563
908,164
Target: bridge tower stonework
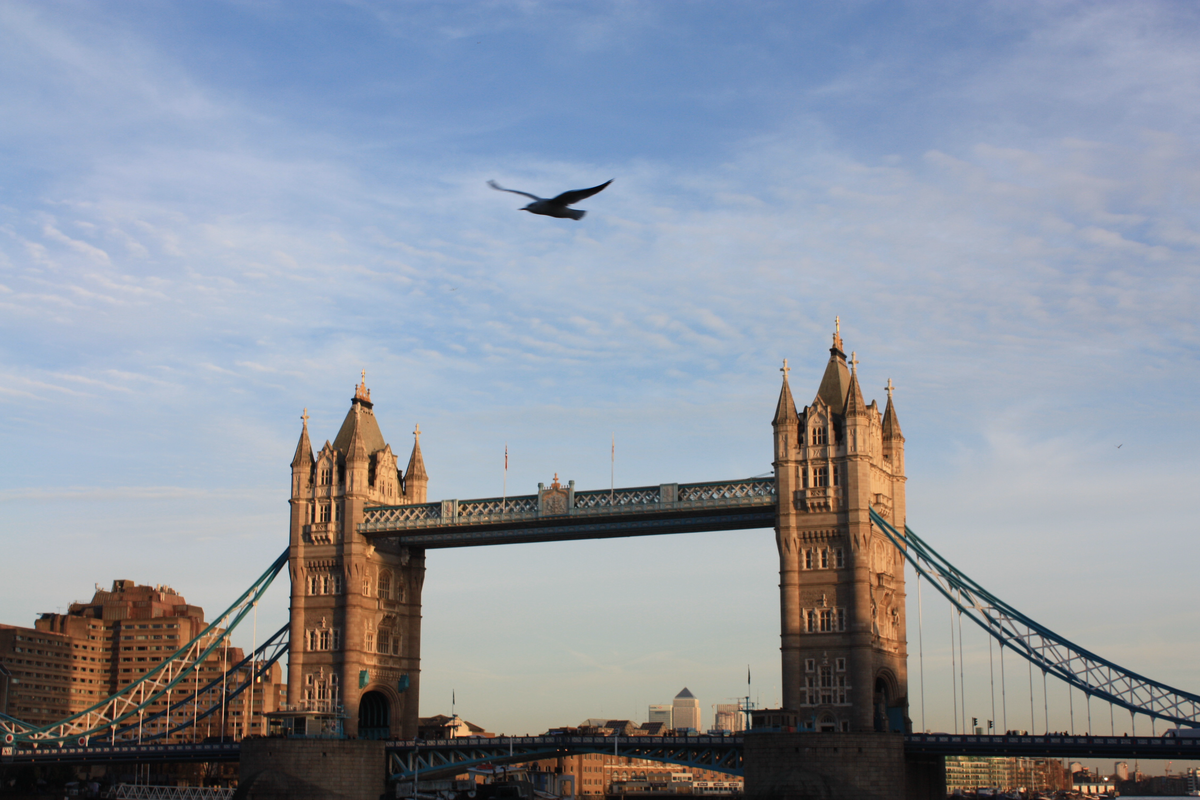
x,y
355,605
841,582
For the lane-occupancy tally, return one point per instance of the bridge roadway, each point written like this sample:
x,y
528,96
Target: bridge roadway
x,y
719,753
559,513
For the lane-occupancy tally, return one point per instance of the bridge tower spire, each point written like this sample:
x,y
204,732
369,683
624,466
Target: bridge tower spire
x,y
842,626
355,605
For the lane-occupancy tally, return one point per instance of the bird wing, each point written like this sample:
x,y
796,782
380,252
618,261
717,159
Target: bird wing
x,y
500,188
567,198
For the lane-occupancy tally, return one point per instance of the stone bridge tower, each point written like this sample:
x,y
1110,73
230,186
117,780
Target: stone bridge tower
x,y
841,581
355,606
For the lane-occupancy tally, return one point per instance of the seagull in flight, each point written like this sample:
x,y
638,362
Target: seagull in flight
x,y
556,206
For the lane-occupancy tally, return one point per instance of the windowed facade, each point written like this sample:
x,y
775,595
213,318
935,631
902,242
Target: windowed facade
x,y
323,638
330,583
820,435
824,620
824,558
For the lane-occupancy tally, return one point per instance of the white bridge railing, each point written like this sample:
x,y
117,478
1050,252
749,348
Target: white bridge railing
x,y
560,501
126,791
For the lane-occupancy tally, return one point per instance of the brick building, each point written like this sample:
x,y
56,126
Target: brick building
x,y
70,662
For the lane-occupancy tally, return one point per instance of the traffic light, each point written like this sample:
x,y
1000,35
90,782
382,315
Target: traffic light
x,y
974,722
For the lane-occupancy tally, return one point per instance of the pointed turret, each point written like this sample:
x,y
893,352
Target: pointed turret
x,y
855,407
304,453
785,409
416,479
835,383
891,425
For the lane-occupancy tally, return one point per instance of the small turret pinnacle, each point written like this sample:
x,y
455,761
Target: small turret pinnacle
x,y
785,409
854,399
416,462
891,425
304,454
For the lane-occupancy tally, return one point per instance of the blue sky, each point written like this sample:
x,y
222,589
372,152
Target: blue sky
x,y
212,216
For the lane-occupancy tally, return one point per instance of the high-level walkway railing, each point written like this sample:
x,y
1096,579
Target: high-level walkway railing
x,y
563,514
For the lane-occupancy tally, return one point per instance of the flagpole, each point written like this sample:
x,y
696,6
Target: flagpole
x,y
612,470
504,502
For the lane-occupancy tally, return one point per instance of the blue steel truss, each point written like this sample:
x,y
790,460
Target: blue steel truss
x,y
1045,649
120,712
446,758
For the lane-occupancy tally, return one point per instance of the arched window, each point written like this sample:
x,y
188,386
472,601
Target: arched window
x,y
824,558
808,559
820,435
385,584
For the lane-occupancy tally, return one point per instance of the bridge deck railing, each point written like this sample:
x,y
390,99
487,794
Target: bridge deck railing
x,y
527,508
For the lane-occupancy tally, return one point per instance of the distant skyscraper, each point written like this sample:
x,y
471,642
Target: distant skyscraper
x,y
660,713
685,711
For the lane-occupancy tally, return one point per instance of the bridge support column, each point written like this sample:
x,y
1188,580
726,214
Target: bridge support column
x,y
838,766
311,769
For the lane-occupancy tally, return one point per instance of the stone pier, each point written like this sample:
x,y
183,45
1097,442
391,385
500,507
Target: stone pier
x,y
311,769
838,766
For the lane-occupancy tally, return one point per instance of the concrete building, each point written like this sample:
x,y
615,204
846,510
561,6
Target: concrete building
x,y
70,662
968,773
685,712
660,713
729,717
595,774
844,655
356,605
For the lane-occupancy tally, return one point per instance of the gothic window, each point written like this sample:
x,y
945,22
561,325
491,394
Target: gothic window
x,y
310,515
326,584
326,475
366,588
325,512
820,476
312,584
808,559
311,636
812,621
826,619
337,639
803,475
385,644
841,664
810,664
839,558
820,435
841,620
396,645
337,584
826,676
840,694
837,475
824,558
370,643
336,513
385,585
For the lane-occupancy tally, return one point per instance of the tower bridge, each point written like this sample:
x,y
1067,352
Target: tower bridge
x,y
360,526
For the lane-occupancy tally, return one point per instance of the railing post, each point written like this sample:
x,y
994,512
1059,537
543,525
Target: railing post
x,y
449,511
